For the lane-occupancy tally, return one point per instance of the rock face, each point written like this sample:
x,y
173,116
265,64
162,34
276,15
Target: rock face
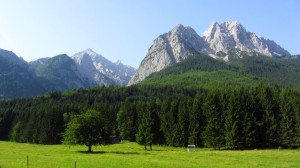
x,y
101,71
168,49
232,35
182,42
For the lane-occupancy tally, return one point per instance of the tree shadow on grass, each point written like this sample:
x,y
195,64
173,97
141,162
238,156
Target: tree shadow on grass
x,y
112,152
156,150
93,152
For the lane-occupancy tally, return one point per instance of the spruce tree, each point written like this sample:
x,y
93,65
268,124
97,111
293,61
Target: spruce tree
x,y
233,124
171,126
259,138
297,111
126,120
197,121
164,120
145,134
288,121
249,126
213,134
271,116
182,125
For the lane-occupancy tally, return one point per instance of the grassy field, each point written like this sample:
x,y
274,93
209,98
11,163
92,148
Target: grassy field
x,y
13,155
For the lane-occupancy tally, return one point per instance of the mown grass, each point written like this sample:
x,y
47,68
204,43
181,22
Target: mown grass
x,y
13,155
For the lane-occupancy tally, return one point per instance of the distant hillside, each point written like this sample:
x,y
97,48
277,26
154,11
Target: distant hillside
x,y
15,78
19,79
58,73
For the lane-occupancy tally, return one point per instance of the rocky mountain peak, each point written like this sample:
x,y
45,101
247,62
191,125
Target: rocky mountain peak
x,y
233,25
181,42
100,70
168,49
232,35
87,54
118,62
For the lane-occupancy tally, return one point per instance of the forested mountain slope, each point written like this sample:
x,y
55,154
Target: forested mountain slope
x,y
19,79
200,70
16,80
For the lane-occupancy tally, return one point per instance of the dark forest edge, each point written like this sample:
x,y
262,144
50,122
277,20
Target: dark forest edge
x,y
249,117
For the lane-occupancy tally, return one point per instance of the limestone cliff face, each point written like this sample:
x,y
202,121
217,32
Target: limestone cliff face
x,y
101,71
182,42
232,35
168,49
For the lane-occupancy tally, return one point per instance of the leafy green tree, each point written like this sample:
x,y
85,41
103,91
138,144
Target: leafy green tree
x,y
89,128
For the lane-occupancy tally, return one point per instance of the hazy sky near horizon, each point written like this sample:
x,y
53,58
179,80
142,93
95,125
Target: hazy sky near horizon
x,y
124,30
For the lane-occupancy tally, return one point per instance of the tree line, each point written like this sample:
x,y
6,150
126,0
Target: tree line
x,y
259,116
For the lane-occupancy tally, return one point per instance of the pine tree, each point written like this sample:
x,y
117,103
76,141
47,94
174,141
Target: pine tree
x,y
197,121
164,121
171,125
233,124
259,138
249,126
271,116
288,122
182,125
297,111
213,134
126,120
146,127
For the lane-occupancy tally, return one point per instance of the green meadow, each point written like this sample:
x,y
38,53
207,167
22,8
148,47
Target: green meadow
x,y
127,154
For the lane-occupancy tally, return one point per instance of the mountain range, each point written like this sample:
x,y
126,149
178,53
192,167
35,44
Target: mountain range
x,y
59,73
180,53
218,41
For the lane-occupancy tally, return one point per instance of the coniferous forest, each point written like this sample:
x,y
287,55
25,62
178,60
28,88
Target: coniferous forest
x,y
247,103
249,117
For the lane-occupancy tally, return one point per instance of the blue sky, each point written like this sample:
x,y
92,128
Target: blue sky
x,y
124,30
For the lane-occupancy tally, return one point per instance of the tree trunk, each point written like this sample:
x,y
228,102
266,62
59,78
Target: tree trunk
x,y
145,147
150,146
90,149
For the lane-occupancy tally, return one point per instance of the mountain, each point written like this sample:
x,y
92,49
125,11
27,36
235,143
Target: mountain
x,y
16,79
101,71
219,41
58,73
232,35
19,79
168,49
